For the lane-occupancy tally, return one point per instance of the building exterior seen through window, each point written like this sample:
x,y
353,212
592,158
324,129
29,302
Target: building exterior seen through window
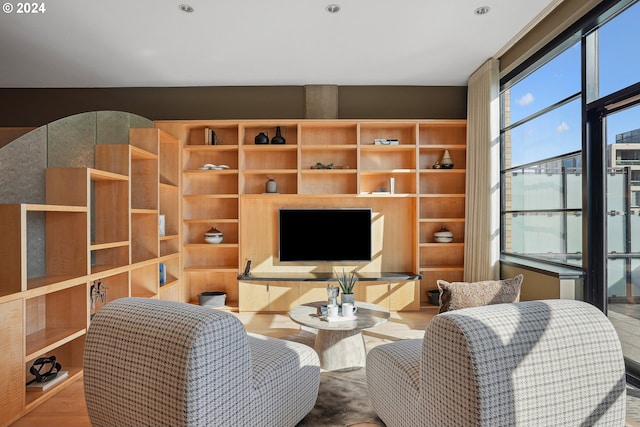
x,y
545,192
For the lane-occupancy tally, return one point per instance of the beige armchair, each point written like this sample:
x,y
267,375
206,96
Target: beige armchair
x,y
541,363
158,363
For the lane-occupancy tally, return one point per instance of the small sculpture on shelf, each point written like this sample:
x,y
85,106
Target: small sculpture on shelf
x,y
98,291
320,165
446,162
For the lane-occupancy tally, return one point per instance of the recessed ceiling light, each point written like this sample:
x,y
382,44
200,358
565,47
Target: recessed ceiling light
x,y
333,8
482,10
185,8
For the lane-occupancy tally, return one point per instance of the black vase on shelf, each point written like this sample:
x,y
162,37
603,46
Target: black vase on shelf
x,y
261,138
278,139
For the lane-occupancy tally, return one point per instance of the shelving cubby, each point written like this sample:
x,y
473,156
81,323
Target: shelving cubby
x,y
379,182
338,169
360,169
145,280
70,356
55,325
404,132
172,271
196,156
259,162
329,143
56,244
380,163
270,161
333,181
114,286
441,201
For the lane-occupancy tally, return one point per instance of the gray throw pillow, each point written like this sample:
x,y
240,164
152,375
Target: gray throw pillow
x,y
456,295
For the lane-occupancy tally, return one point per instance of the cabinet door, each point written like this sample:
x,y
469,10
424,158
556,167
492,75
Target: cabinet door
x,y
283,295
373,292
404,296
312,292
11,368
253,296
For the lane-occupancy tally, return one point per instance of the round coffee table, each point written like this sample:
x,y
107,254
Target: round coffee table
x,y
340,344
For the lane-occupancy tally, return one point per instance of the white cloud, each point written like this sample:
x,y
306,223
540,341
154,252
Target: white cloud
x,y
526,99
562,127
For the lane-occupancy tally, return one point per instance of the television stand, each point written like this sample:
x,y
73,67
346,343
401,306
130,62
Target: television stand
x,y
280,292
328,276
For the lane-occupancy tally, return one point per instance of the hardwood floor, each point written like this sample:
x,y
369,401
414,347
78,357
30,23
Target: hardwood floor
x,y
67,408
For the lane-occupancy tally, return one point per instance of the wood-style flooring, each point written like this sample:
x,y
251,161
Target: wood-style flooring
x,y
67,408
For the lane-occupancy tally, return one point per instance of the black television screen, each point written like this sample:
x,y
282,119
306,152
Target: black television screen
x,y
325,234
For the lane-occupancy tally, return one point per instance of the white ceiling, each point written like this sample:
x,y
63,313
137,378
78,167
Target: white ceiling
x,y
124,43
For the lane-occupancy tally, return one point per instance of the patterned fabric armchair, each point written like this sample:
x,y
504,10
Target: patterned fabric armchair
x,y
538,363
159,363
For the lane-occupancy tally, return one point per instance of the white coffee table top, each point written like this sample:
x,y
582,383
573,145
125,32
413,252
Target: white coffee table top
x,y
368,316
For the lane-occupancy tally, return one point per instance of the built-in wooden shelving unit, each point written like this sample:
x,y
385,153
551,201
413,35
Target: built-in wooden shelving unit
x,y
98,224
232,199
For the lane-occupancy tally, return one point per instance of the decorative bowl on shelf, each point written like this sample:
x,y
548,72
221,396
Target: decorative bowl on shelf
x,y
213,236
443,235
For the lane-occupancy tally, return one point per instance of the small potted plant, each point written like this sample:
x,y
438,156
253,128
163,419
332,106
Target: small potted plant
x,y
347,282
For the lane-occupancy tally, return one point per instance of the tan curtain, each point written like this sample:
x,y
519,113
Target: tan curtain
x,y
482,217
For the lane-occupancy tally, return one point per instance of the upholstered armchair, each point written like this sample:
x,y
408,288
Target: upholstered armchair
x,y
540,363
156,363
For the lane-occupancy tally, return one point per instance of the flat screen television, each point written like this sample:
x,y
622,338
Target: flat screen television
x,y
324,234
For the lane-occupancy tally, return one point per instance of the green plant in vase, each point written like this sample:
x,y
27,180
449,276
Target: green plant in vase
x,y
347,282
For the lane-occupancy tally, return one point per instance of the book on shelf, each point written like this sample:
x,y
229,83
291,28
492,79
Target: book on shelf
x,y
36,386
210,137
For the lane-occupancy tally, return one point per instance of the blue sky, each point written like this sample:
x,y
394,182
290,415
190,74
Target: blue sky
x,y
559,131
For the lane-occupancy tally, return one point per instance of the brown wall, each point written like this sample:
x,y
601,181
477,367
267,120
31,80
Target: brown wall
x,y
36,107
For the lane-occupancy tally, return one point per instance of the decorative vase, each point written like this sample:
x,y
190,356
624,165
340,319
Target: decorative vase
x,y
271,186
332,294
446,162
261,138
278,139
443,235
347,298
213,236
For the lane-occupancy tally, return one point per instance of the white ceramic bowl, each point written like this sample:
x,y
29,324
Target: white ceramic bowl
x,y
213,238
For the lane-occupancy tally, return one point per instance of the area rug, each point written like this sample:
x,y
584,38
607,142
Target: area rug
x,y
342,401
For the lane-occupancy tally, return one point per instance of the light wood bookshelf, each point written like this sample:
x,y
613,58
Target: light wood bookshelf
x,y
233,200
98,224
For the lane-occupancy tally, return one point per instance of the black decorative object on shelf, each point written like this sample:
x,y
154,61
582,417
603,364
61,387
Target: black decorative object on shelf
x,y
261,138
278,139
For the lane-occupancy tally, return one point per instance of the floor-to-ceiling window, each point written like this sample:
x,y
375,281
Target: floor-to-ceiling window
x,y
541,162
623,226
570,172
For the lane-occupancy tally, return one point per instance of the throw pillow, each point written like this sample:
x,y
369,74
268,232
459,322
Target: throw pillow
x,y
456,295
